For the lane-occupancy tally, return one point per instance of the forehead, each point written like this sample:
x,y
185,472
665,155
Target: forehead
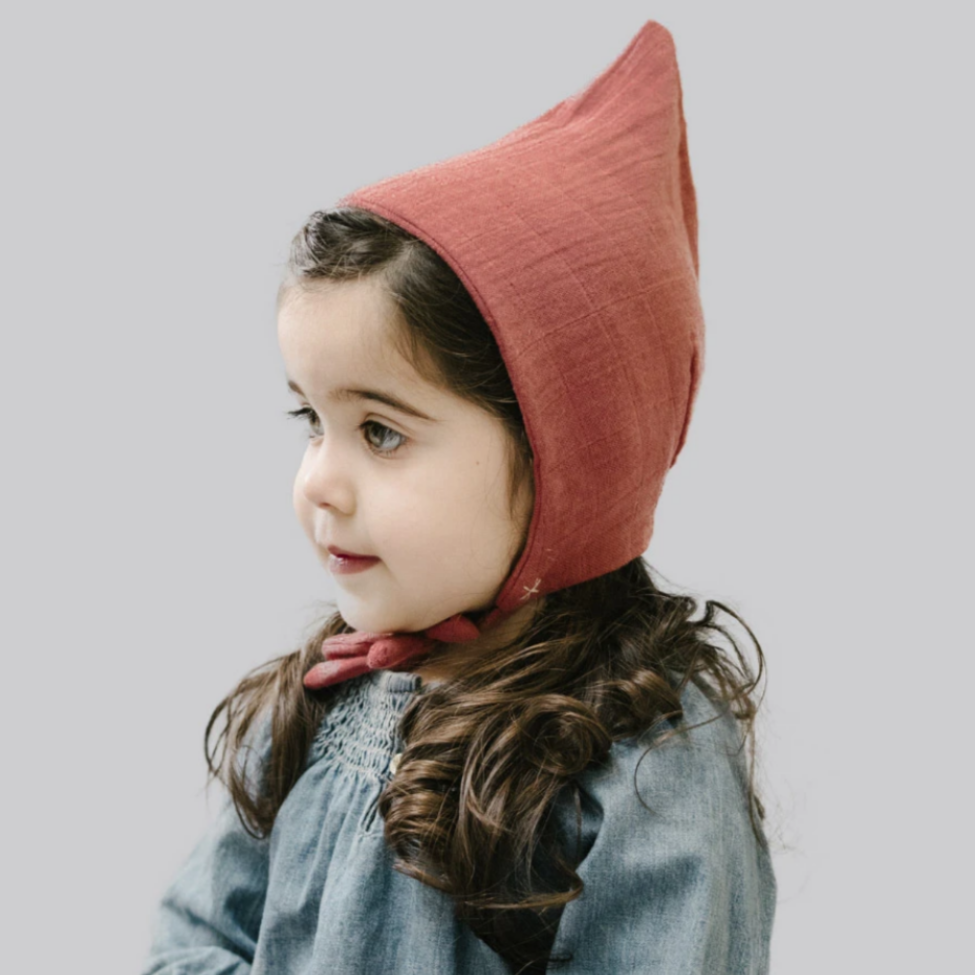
x,y
331,332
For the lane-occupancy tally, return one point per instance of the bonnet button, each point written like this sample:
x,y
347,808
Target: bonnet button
x,y
394,763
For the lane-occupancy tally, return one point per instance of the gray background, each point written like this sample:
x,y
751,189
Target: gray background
x,y
158,160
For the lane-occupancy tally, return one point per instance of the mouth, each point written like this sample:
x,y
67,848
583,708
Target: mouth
x,y
341,562
343,554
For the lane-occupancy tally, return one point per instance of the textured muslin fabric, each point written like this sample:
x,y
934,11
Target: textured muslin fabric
x,y
576,235
683,887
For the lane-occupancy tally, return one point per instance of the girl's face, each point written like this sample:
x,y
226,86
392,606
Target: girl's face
x,y
422,485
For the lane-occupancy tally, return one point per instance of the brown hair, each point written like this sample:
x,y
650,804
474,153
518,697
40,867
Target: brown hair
x,y
487,753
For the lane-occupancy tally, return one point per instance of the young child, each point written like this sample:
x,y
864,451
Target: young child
x,y
508,750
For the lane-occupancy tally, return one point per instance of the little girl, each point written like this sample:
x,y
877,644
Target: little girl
x,y
507,750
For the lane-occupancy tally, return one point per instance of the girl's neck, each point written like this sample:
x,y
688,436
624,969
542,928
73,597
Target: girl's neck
x,y
449,660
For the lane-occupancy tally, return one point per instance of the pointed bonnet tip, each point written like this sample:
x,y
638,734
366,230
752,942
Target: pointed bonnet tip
x,y
653,28
649,59
653,44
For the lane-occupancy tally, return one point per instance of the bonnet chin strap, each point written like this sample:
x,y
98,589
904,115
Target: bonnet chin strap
x,y
351,654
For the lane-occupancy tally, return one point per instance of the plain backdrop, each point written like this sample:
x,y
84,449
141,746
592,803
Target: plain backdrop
x,y
158,159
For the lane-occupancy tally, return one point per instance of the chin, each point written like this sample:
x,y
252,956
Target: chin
x,y
366,619
369,620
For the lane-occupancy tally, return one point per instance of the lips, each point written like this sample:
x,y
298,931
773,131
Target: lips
x,y
343,562
345,554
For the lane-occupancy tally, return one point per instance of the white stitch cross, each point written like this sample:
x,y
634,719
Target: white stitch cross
x,y
532,591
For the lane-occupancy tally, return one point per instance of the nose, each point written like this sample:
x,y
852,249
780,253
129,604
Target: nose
x,y
325,477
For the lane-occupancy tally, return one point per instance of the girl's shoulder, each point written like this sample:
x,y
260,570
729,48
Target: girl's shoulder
x,y
682,783
676,878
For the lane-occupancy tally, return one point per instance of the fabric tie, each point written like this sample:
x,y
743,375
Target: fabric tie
x,y
348,655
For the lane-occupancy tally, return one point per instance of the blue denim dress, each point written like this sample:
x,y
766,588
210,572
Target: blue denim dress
x,y
684,888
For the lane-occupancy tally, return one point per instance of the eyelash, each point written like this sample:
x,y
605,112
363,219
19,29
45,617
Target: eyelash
x,y
308,414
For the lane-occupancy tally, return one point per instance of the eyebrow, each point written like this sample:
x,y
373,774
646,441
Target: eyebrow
x,y
355,394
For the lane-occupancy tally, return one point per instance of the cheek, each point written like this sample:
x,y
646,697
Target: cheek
x,y
468,525
404,521
414,521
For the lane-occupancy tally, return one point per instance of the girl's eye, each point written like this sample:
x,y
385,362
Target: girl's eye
x,y
383,430
307,413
